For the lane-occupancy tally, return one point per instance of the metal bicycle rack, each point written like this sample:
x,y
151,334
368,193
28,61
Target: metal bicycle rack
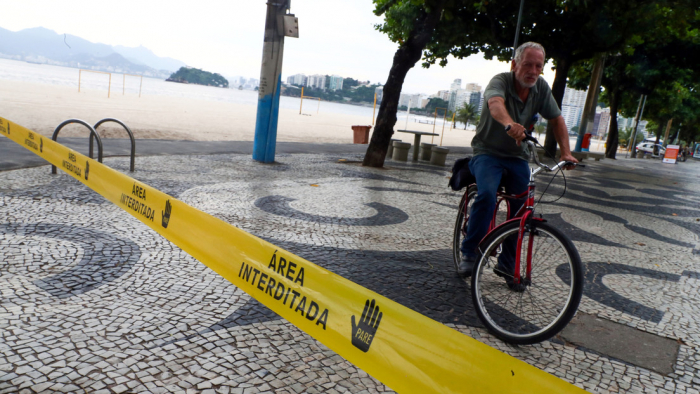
x,y
131,136
92,132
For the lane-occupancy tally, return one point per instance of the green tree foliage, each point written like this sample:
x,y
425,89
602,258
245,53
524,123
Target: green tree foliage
x,y
358,94
409,23
659,62
570,31
467,114
199,77
349,83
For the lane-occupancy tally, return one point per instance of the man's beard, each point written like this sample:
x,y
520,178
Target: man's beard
x,y
526,84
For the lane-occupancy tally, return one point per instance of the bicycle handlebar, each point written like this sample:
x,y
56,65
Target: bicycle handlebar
x,y
531,141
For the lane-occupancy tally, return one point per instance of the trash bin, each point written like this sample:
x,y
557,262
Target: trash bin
x,y
400,151
586,142
361,134
424,153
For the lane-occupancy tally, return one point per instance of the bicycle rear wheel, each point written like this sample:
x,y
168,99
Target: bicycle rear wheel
x,y
535,311
460,230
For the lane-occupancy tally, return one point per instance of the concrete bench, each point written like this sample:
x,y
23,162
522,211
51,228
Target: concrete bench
x,y
425,151
596,155
438,155
400,152
390,150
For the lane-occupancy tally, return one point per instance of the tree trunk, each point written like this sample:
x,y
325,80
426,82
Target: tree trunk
x,y
405,58
613,134
558,88
658,133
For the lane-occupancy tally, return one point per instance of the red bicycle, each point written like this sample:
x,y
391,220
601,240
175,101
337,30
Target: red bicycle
x,y
528,280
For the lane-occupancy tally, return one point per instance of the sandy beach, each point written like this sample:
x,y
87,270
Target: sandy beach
x,y
41,107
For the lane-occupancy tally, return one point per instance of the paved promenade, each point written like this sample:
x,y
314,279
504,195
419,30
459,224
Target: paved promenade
x,y
92,301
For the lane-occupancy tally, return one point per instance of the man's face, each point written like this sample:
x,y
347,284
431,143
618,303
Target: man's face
x,y
529,68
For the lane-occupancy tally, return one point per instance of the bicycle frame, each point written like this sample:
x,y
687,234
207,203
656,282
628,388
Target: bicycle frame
x,y
524,215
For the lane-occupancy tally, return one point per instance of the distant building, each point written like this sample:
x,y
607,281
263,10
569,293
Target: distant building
x,y
316,81
572,106
414,100
251,83
473,87
297,79
601,123
571,115
623,123
459,97
475,98
456,85
336,82
443,95
238,82
574,98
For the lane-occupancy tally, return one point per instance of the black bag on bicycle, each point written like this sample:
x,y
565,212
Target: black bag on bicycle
x,y
461,176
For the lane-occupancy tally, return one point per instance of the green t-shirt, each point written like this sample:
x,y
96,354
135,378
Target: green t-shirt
x,y
491,137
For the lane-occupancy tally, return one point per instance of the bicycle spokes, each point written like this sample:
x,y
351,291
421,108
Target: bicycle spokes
x,y
526,302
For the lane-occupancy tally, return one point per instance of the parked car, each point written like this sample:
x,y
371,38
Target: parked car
x,y
650,147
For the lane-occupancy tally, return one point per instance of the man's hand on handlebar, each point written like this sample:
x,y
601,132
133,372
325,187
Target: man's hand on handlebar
x,y
516,131
525,135
571,159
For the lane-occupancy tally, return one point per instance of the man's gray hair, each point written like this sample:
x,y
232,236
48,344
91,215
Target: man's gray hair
x,y
521,49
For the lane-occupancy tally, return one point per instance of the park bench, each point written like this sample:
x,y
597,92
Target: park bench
x,y
596,155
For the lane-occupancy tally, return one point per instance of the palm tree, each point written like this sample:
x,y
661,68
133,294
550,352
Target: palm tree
x,y
626,135
467,114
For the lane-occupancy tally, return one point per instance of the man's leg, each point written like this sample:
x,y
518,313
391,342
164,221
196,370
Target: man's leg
x,y
487,170
515,183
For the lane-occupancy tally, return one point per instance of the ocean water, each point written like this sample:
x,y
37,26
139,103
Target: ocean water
x,y
65,76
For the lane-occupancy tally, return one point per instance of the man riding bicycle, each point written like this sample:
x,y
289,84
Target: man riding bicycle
x,y
513,99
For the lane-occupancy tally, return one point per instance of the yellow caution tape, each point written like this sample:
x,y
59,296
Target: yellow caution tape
x,y
403,349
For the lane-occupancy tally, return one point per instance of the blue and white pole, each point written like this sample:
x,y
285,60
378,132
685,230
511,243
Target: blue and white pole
x,y
270,83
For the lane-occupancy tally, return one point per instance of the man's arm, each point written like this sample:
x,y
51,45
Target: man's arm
x,y
497,107
561,134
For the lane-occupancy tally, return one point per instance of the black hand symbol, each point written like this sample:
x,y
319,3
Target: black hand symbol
x,y
363,333
87,169
166,214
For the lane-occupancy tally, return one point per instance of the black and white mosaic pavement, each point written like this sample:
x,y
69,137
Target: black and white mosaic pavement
x,y
92,301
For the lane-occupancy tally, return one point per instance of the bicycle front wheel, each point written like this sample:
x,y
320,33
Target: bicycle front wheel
x,y
540,307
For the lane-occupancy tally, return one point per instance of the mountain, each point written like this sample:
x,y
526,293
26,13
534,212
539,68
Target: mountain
x,y
143,55
40,45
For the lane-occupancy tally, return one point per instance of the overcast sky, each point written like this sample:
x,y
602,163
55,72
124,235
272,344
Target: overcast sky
x,y
225,36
